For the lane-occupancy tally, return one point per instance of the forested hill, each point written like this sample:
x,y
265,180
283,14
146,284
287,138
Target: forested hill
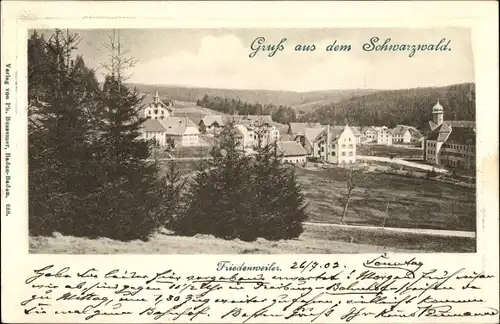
x,y
280,114
392,107
263,97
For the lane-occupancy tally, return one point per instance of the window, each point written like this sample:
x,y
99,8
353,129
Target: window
x,y
163,112
350,153
343,145
349,139
343,153
156,111
350,146
333,153
149,112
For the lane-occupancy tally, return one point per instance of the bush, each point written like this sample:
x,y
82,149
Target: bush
x,y
237,196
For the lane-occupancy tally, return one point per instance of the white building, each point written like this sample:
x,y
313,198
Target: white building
x,y
333,144
247,136
384,135
180,131
451,143
371,134
292,152
158,109
403,134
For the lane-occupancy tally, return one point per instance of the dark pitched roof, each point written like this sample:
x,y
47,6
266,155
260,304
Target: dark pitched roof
x,y
291,148
194,117
462,133
177,125
335,132
415,133
430,124
312,133
400,130
356,131
152,125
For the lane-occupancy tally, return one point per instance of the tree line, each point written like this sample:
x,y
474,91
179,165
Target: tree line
x,y
89,173
281,114
407,107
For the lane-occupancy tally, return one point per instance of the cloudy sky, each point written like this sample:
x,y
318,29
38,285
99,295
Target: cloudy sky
x,y
219,58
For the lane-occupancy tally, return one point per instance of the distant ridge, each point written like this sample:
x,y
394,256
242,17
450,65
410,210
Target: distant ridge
x,y
360,107
276,97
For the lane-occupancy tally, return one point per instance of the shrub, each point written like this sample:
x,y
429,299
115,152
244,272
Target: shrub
x,y
237,196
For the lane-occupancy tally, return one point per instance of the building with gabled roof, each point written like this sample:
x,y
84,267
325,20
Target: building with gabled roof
x,y
158,109
451,143
357,133
402,134
292,152
179,130
384,135
333,144
213,124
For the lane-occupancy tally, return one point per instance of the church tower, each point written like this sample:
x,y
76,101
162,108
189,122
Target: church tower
x,y
157,98
438,114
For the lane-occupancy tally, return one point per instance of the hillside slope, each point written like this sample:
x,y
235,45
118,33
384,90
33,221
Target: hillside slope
x,y
393,107
289,98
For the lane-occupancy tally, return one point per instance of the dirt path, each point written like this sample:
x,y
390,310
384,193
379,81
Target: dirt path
x,y
402,162
401,230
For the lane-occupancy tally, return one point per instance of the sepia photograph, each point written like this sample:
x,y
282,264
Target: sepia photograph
x,y
251,141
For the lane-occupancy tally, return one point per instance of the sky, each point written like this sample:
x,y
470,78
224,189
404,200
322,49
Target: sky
x,y
219,58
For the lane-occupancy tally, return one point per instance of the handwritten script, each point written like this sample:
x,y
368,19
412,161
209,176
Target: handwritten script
x,y
307,291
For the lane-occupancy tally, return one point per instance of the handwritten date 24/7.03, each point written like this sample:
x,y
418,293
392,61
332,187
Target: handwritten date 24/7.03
x,y
379,288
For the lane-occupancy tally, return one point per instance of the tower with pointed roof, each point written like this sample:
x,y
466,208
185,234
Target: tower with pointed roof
x,y
156,98
437,114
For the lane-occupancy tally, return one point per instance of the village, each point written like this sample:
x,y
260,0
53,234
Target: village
x,y
247,170
439,145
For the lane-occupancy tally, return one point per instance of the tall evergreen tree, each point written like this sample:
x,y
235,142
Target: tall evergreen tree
x,y
130,188
60,153
279,206
239,196
219,196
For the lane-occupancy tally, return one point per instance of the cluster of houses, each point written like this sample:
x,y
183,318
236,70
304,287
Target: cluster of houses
x,y
448,143
399,135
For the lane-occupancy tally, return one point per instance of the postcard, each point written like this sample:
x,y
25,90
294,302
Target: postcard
x,y
250,162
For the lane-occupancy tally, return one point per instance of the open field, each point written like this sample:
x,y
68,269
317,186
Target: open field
x,y
415,202
314,240
388,151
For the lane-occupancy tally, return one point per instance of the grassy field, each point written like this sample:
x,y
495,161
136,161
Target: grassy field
x,y
314,240
388,151
415,203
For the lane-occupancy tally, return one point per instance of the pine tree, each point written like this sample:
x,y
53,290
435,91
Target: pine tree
x,y
219,195
60,152
130,188
279,205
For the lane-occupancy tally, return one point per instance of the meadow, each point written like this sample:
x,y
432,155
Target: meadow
x,y
415,153
414,202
